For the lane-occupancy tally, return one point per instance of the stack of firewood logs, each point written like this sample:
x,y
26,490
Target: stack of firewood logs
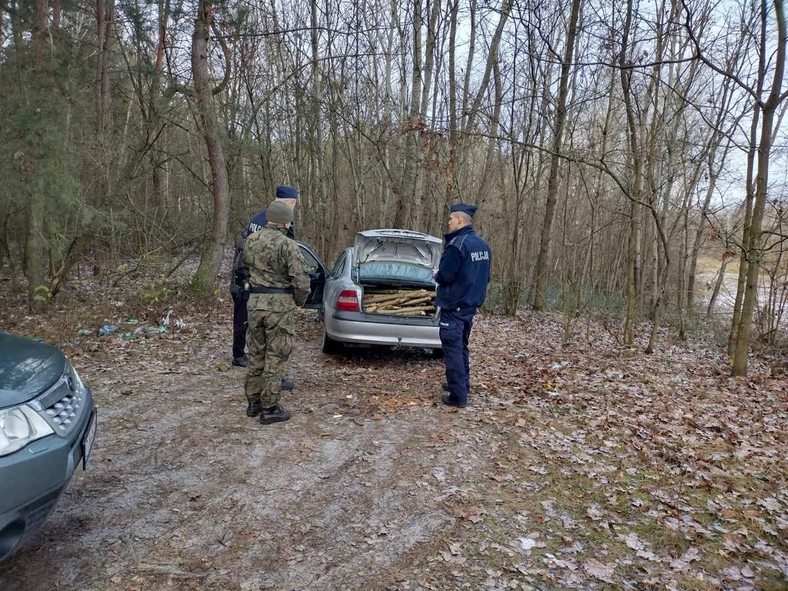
x,y
403,302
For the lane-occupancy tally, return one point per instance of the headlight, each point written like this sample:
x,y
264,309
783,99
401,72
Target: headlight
x,y
19,426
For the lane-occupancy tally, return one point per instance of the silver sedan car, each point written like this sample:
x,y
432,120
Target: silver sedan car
x,y
380,291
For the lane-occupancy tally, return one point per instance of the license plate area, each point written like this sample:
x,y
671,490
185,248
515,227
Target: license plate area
x,y
88,439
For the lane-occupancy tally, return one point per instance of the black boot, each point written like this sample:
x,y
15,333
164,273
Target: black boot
x,y
448,401
274,414
240,361
287,384
253,409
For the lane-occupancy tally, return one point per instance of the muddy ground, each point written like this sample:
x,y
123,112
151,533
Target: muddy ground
x,y
584,466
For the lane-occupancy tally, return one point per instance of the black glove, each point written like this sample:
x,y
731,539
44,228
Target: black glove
x,y
242,278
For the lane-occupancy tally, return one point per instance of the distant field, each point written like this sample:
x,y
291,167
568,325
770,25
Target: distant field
x,y
710,263
706,276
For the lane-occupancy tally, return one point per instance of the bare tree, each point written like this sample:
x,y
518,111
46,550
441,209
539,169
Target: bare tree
x,y
763,121
205,276
555,158
637,175
34,229
753,253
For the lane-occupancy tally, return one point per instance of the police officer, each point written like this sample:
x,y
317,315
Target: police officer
x,y
462,278
284,194
278,284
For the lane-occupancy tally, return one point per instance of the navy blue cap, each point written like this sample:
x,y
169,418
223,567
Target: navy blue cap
x,y
285,192
463,208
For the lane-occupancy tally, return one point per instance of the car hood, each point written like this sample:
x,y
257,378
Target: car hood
x,y
392,245
27,368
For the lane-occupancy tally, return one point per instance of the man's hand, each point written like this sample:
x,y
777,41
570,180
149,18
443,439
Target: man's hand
x,y
241,277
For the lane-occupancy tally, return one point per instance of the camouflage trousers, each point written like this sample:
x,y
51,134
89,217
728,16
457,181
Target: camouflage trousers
x,y
269,338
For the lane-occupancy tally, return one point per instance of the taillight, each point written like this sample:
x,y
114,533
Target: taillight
x,y
348,301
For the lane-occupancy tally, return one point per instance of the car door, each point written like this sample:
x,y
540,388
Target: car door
x,y
317,275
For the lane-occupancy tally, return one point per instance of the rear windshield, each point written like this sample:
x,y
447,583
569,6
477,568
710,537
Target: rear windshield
x,y
392,272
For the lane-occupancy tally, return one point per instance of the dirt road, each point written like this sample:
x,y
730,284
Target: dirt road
x,y
372,485
184,491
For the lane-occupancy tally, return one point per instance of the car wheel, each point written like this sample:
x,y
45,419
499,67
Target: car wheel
x,y
330,346
437,353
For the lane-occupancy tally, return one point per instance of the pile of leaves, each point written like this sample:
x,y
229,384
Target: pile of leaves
x,y
623,469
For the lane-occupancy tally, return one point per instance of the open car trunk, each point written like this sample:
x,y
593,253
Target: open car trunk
x,y
394,268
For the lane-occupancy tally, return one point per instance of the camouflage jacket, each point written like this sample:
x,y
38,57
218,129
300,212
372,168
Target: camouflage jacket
x,y
258,223
273,260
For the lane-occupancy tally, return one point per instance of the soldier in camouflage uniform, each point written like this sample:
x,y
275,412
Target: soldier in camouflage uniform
x,y
278,284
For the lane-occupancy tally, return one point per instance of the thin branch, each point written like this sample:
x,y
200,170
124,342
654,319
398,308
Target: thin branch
x,y
699,55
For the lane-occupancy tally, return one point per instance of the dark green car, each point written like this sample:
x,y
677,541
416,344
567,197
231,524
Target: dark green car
x,y
47,429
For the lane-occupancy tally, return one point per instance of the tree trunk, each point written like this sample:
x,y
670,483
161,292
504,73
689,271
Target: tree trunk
x,y
388,99
214,250
155,126
555,157
426,81
633,253
754,248
717,286
410,199
34,228
451,166
492,167
104,18
748,208
57,13
34,255
316,154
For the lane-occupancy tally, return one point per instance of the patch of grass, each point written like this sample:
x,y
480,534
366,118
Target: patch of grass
x,y
663,540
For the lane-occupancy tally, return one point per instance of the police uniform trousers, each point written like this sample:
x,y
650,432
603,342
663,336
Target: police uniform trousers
x,y
270,339
455,330
240,316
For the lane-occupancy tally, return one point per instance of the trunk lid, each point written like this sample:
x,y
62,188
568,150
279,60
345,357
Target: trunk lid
x,y
397,246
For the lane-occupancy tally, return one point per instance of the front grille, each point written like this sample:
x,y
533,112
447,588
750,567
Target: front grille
x,y
69,403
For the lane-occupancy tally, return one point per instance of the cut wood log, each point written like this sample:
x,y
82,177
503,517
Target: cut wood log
x,y
377,298
420,300
389,306
409,311
400,302
381,300
398,291
387,309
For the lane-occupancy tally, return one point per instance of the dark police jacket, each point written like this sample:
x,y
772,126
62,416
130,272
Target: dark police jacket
x,y
464,270
258,222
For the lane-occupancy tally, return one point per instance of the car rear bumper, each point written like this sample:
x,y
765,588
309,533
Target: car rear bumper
x,y
349,327
32,480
